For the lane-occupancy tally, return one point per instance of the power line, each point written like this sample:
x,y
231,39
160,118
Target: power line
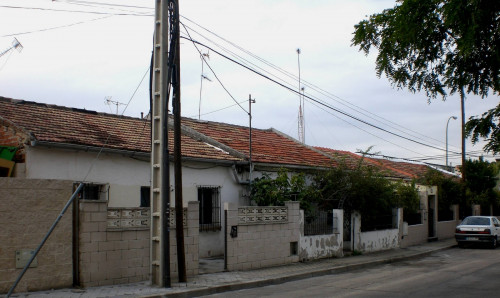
x,y
103,3
213,72
308,84
57,27
78,11
316,100
374,135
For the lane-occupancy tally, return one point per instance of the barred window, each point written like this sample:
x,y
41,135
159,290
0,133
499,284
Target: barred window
x,y
92,191
210,213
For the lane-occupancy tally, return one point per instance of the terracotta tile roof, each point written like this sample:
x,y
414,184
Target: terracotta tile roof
x,y
268,146
394,169
58,124
411,170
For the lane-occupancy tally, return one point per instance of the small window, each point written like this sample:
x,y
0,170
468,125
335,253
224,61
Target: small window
x,y
210,217
92,191
145,196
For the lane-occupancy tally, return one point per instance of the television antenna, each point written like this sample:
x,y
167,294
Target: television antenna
x,y
15,45
108,101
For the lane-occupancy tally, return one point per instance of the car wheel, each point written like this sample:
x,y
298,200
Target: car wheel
x,y
494,243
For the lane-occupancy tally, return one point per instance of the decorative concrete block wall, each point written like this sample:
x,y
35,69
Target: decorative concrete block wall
x,y
115,243
260,237
111,254
28,208
191,240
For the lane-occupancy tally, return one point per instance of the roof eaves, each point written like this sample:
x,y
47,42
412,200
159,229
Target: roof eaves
x,y
190,132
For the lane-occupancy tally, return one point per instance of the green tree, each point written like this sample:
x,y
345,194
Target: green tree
x,y
366,190
267,191
449,191
481,183
437,46
488,127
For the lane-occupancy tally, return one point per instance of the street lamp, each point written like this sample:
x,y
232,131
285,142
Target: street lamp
x,y
448,122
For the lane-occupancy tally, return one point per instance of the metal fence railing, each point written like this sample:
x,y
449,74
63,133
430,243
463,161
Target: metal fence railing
x,y
376,223
319,223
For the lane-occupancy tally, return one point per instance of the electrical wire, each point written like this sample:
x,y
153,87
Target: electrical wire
x,y
315,100
78,11
312,86
322,91
57,27
218,110
213,72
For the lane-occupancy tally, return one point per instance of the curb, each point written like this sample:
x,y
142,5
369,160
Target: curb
x,y
299,276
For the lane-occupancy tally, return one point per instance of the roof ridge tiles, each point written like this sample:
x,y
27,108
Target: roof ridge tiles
x,y
64,108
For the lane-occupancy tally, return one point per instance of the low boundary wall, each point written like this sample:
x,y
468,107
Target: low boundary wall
x,y
260,237
322,246
115,243
378,240
28,208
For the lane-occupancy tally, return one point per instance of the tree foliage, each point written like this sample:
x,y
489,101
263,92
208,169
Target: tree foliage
x,y
438,46
366,190
481,182
267,191
487,127
430,45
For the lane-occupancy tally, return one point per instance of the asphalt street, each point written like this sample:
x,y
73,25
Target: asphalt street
x,y
470,272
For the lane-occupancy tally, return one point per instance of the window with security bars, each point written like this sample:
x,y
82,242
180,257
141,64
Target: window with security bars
x,y
210,213
92,191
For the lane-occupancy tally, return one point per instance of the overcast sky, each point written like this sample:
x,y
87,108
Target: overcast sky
x,y
78,59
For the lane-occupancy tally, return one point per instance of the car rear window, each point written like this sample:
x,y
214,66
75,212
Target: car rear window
x,y
476,221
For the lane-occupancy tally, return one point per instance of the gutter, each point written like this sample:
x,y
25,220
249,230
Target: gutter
x,y
86,148
133,154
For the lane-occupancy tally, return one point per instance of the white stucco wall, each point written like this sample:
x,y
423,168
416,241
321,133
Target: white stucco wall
x,y
124,177
377,240
322,246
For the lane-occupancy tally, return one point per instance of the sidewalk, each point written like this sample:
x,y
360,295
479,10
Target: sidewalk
x,y
228,281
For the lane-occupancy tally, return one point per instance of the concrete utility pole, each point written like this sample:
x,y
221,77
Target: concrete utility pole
x,y
166,73
160,177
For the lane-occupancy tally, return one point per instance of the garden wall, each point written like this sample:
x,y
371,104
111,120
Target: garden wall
x,y
28,208
322,246
260,237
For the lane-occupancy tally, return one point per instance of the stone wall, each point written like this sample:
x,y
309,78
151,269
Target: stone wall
x,y
28,208
115,244
260,237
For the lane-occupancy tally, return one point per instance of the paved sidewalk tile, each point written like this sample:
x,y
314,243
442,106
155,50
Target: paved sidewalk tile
x,y
224,281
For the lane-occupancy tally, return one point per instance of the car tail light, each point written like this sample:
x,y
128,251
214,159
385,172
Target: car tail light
x,y
486,231
458,231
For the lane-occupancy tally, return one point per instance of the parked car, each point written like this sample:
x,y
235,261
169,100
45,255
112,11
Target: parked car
x,y
478,229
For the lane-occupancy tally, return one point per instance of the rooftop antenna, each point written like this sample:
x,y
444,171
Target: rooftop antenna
x,y
108,101
301,131
15,45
